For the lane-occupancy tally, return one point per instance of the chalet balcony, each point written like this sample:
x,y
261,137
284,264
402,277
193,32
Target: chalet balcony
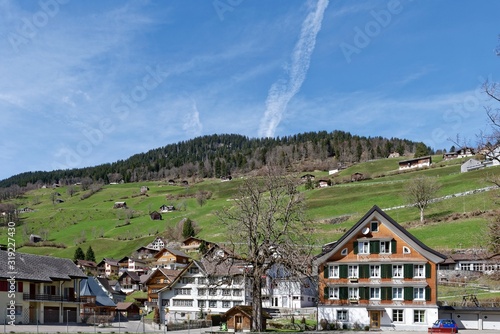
x,y
55,298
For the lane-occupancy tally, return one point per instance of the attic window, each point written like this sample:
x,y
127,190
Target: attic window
x,y
406,250
374,226
344,252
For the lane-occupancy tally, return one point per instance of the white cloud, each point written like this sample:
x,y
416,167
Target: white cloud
x,y
282,91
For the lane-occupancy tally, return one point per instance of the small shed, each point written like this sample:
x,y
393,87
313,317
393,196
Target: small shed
x,y
155,215
120,205
128,310
35,238
239,318
357,177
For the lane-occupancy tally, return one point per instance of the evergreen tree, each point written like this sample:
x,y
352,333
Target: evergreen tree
x,y
90,256
79,255
421,150
187,229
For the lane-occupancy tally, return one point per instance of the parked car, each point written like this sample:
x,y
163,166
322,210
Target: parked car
x,y
445,323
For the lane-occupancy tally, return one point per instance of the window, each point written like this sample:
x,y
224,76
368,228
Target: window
x,y
201,304
344,251
385,247
212,303
226,304
374,226
182,291
226,292
353,293
374,293
352,271
333,293
419,316
375,271
397,316
202,292
194,270
397,271
237,293
212,292
406,250
419,293
342,315
237,302
419,270
333,271
187,280
182,302
397,293
364,247
202,280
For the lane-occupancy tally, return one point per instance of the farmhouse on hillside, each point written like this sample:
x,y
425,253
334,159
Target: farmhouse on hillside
x,y
415,163
378,275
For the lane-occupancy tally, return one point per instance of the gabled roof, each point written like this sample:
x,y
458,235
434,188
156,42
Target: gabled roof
x,y
85,263
40,268
90,288
132,275
171,251
111,262
397,229
170,274
246,310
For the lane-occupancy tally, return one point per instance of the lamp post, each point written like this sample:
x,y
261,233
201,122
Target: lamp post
x,y
67,321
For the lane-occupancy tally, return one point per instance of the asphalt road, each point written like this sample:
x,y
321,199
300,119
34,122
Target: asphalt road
x,y
138,327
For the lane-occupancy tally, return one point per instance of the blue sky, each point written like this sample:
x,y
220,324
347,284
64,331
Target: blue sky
x,y
89,82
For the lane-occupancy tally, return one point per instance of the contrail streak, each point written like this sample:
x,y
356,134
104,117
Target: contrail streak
x,y
283,90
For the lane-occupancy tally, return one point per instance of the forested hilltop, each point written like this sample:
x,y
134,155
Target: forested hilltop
x,y
229,154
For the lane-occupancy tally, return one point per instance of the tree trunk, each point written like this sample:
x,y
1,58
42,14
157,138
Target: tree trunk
x,y
257,325
421,215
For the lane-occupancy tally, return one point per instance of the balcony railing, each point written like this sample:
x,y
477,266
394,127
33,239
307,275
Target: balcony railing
x,y
57,298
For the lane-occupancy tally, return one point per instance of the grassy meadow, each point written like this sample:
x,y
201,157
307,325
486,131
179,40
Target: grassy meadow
x,y
114,233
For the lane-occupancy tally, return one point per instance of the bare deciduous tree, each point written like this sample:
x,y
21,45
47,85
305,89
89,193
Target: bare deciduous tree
x,y
419,192
266,228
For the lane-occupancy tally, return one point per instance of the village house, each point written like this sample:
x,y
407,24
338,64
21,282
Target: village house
x,y
46,289
378,275
415,163
211,286
193,244
129,281
167,208
98,306
170,258
88,267
461,153
158,243
155,215
108,267
158,279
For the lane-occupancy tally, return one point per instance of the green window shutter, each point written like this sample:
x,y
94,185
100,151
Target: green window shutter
x,y
326,292
386,293
428,271
374,247
428,293
408,270
364,271
394,247
355,247
386,270
326,270
364,293
408,293
343,293
343,271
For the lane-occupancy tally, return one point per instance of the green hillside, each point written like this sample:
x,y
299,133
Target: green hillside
x,y
118,232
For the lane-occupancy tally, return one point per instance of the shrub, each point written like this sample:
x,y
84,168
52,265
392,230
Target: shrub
x,y
323,323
